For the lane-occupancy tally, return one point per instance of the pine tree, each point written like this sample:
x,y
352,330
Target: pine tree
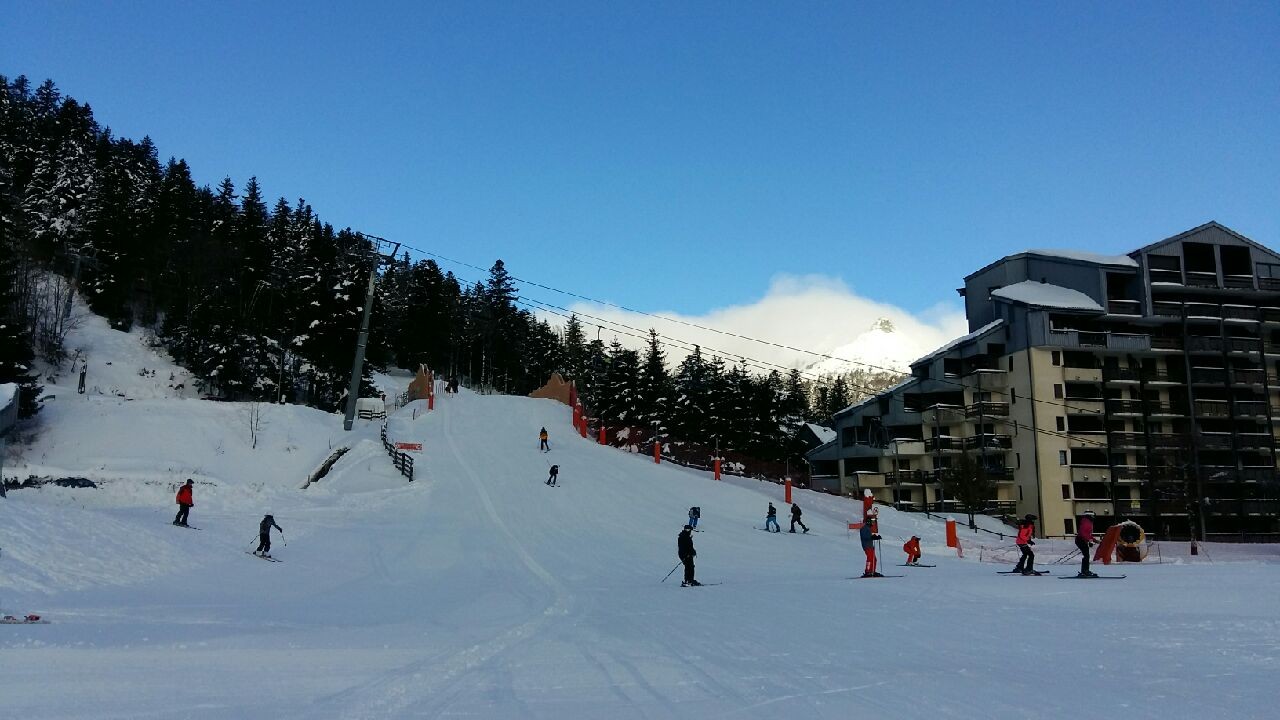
x,y
655,386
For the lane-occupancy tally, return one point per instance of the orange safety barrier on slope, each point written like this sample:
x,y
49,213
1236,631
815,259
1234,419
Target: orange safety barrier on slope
x,y
1107,548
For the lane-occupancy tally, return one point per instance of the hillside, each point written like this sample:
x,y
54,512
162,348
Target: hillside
x,y
477,591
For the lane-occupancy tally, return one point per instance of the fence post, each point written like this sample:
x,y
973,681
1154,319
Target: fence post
x,y
952,539
787,484
657,452
717,468
603,440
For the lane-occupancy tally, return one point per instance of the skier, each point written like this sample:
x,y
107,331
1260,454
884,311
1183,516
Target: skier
x,y
1084,541
795,518
772,519
264,535
542,441
868,537
912,549
684,548
184,503
555,472
84,369
1026,529
695,512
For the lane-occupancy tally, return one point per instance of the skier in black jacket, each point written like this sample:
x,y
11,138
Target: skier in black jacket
x,y
771,519
264,535
795,518
555,473
684,548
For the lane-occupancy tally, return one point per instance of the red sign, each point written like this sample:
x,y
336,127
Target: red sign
x,y
413,447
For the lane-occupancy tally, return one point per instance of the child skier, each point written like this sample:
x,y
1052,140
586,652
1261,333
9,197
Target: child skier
x,y
695,512
264,535
686,553
1026,529
555,473
1084,541
542,441
185,502
772,519
869,547
795,518
912,549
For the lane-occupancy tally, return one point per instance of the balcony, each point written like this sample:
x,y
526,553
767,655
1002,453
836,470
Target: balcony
x,y
1243,345
987,408
1165,276
1088,375
1238,282
1082,405
942,415
1254,441
1214,441
1166,308
1203,311
1271,315
945,443
1087,438
1166,343
1249,376
1240,312
1125,407
1144,473
1132,374
1212,409
1270,284
986,379
1098,340
1201,279
905,446
1164,409
1198,343
1124,307
1128,440
1264,474
988,442
906,476
1208,376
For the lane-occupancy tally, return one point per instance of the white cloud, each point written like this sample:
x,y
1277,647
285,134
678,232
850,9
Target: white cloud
x,y
811,312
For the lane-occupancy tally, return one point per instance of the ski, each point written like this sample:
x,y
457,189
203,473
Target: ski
x,y
702,584
1095,577
1019,572
873,577
915,565
263,557
187,527
1037,573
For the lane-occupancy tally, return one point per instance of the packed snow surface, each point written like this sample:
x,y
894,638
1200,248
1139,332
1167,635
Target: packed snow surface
x,y
1047,295
479,592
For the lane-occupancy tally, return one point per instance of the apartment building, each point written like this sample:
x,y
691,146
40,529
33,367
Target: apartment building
x,y
1141,386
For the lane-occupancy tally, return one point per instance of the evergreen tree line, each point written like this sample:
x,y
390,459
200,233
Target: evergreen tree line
x,y
263,302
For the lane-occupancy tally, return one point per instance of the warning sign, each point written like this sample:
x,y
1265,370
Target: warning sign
x,y
409,447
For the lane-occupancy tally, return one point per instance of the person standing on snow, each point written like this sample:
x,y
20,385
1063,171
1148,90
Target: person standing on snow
x,y
542,441
795,518
555,473
912,549
772,519
1026,530
185,501
264,535
1084,541
695,512
869,538
684,549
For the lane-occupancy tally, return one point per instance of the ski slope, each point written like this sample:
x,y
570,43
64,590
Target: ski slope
x,y
479,592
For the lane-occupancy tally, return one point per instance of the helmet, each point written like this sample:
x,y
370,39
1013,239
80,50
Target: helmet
x,y
866,492
688,527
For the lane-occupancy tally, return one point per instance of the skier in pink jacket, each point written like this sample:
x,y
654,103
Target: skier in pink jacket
x,y
1084,541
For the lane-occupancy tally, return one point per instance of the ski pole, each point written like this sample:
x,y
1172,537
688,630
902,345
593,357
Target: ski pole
x,y
672,570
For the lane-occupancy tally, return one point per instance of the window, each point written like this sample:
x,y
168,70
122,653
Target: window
x,y
1062,457
1066,492
1057,391
1069,526
1062,423
1056,357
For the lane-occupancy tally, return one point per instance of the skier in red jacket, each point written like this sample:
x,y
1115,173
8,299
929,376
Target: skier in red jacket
x,y
184,503
912,549
1026,530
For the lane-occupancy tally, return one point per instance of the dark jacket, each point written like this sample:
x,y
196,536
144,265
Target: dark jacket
x,y
773,512
795,511
684,545
868,538
695,512
268,522
555,470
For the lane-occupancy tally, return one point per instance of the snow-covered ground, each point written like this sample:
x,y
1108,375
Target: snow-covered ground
x,y
477,591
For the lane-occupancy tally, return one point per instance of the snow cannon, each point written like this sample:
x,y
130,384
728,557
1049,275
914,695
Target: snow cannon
x,y
1131,543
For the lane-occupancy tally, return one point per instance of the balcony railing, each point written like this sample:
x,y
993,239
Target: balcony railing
x,y
1269,283
987,408
1238,282
1213,408
1271,314
1214,441
1124,307
945,442
1203,310
1243,345
1240,312
1165,308
1129,374
1249,376
1125,407
1165,343
1196,343
1201,279
988,442
1254,441
1099,340
1206,376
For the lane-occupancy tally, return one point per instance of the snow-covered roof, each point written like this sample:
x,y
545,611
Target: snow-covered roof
x,y
961,340
1121,260
868,400
824,434
1047,295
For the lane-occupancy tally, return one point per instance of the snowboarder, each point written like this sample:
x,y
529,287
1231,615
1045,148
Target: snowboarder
x,y
695,512
185,502
1084,541
542,441
795,518
264,535
1026,529
869,538
684,549
912,549
771,519
555,472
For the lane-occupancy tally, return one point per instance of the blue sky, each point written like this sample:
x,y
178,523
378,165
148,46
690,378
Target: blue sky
x,y
681,156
